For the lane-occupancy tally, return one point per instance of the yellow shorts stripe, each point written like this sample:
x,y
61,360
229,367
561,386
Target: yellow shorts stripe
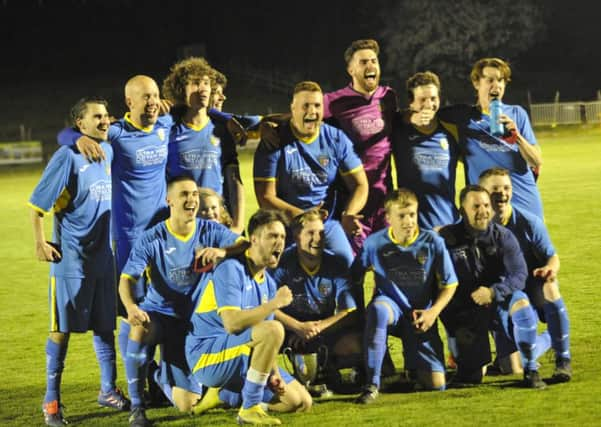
x,y
210,359
53,321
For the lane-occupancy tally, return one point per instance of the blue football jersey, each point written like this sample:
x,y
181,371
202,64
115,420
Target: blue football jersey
x,y
317,294
201,152
231,287
409,275
139,164
304,170
426,164
80,193
169,258
533,238
482,151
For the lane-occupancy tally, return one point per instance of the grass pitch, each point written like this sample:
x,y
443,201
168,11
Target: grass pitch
x,y
570,187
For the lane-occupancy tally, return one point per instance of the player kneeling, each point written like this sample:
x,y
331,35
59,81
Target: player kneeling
x,y
410,266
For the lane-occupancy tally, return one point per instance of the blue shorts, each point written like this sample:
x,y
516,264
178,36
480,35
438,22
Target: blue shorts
x,y
171,336
422,351
82,304
219,361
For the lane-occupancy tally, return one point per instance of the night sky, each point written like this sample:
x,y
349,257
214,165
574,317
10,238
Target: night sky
x,y
56,50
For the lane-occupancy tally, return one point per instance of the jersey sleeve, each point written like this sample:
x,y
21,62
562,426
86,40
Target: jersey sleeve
x,y
53,183
265,164
139,257
349,161
515,269
344,297
445,271
543,247
228,281
522,122
68,137
216,235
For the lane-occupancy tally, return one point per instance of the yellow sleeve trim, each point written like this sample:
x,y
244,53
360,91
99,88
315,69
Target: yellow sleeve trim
x,y
449,285
352,171
227,307
37,208
128,277
265,179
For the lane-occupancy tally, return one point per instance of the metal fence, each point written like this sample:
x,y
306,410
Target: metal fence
x,y
565,113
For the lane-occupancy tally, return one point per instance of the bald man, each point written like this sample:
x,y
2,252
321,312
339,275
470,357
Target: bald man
x,y
139,142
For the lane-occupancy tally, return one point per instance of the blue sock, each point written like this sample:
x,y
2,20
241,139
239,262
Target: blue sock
x,y
543,343
104,345
55,363
558,323
376,332
136,364
230,398
524,329
252,390
123,336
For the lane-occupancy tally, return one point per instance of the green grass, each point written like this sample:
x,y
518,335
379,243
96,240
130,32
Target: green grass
x,y
570,185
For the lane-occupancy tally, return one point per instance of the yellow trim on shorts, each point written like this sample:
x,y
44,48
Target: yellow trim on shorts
x,y
53,321
265,179
227,307
209,359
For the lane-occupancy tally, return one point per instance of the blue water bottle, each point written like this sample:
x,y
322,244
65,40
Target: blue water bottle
x,y
496,128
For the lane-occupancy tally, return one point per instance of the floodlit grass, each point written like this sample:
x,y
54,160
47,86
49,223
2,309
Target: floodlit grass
x,y
570,186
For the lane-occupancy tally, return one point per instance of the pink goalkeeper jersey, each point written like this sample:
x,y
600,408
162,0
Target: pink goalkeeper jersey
x,y
368,123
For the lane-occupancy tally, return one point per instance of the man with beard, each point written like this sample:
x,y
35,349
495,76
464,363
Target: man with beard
x,y
414,281
199,145
492,273
542,261
299,175
139,142
169,254
364,110
234,342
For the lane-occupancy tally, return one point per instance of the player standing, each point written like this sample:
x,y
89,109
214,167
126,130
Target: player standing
x,y
82,287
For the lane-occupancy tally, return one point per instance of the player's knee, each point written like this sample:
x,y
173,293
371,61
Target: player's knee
x,y
271,331
298,398
551,290
432,380
59,338
183,399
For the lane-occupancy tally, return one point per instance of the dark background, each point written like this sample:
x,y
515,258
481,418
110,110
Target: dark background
x,y
54,52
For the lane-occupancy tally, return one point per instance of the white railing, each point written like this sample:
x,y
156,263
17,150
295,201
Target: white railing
x,y
565,113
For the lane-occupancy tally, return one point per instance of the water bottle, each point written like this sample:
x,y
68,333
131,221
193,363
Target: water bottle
x,y
496,128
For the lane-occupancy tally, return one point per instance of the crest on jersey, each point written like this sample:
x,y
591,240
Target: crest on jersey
x,y
323,160
325,287
215,141
161,134
444,144
422,256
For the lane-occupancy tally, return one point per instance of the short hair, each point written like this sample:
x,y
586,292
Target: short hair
x,y
299,221
179,178
262,217
360,45
497,63
174,85
219,79
401,196
471,189
496,171
421,79
306,86
225,217
79,109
